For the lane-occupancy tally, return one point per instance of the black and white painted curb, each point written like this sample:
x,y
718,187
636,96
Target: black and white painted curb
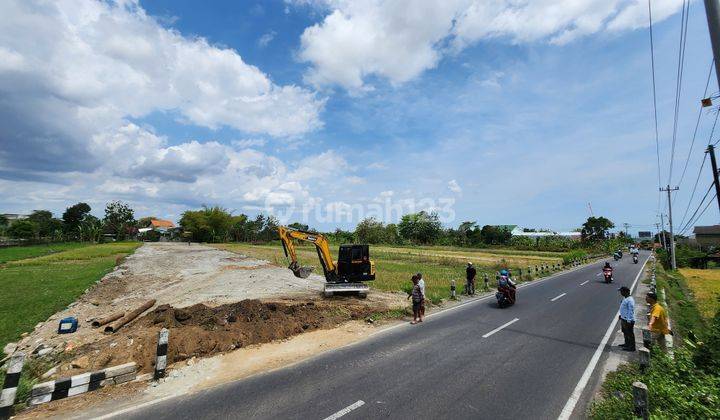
x,y
9,389
162,348
78,384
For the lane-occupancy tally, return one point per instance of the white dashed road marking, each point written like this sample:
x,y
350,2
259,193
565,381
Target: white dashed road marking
x,y
346,410
557,297
500,328
584,283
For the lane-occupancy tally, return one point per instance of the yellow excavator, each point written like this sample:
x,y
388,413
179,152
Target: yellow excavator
x,y
353,266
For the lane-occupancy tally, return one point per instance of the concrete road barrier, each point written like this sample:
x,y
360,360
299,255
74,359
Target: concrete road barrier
x,y
79,384
10,385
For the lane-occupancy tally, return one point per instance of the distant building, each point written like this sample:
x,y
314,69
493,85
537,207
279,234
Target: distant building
x,y
161,225
707,235
163,230
14,216
518,231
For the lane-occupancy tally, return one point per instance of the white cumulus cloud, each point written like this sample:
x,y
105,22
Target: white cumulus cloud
x,y
398,40
74,70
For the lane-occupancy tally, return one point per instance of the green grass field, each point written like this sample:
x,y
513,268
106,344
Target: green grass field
x,y
34,288
21,252
395,265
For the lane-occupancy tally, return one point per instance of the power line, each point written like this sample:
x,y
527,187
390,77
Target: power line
x,y
678,81
690,221
652,65
697,180
699,215
697,124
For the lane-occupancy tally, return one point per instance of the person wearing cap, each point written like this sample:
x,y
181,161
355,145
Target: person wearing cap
x,y
627,319
470,274
658,324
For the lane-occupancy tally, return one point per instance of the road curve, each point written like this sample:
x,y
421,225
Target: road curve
x,y
473,361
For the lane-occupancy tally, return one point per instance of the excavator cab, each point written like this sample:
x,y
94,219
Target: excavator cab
x,y
354,263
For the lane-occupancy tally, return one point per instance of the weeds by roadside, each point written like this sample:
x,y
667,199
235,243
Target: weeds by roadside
x,y
686,386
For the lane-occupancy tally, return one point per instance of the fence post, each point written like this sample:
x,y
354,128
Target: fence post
x,y
9,389
644,354
486,280
452,289
162,348
640,400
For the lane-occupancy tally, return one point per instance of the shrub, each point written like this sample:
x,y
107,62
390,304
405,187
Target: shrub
x,y
677,388
575,254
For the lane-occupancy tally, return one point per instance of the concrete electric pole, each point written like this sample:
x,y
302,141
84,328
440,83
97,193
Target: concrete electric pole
x,y
712,10
713,164
672,235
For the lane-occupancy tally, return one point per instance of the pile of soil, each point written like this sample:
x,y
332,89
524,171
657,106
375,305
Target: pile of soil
x,y
200,330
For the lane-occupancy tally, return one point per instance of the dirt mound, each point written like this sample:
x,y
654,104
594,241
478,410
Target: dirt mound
x,y
200,330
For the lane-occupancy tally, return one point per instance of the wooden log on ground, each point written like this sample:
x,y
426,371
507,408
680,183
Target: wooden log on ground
x,y
129,317
108,319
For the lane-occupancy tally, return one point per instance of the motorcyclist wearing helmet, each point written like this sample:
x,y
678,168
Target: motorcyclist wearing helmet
x,y
607,269
506,285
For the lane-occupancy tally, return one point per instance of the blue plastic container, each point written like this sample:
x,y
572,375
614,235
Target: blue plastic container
x,y
68,325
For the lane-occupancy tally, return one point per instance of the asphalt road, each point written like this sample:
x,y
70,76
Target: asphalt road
x,y
457,364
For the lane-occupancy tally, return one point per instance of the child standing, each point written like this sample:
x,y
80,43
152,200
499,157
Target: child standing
x,y
417,298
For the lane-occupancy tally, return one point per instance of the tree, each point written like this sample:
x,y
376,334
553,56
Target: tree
x,y
90,229
596,229
73,216
494,235
145,222
210,224
4,222
370,231
299,226
422,228
468,233
46,224
119,218
23,229
341,236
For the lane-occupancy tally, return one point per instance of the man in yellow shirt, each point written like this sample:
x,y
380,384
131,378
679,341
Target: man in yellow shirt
x,y
658,324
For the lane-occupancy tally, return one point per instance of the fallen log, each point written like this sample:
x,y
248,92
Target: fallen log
x,y
129,317
108,319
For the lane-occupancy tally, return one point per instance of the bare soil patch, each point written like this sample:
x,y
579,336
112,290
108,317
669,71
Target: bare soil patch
x,y
201,330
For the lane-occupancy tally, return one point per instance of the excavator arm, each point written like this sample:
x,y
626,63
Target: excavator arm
x,y
321,245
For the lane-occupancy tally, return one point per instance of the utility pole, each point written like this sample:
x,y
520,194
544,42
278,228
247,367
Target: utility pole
x,y
626,225
712,10
672,235
660,235
713,163
662,232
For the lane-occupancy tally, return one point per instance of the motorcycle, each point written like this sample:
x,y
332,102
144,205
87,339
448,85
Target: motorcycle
x,y
505,296
617,255
635,259
608,276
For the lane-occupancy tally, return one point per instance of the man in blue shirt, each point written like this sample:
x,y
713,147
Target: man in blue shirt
x,y
627,319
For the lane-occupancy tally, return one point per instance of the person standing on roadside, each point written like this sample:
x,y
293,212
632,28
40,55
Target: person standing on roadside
x,y
627,319
470,274
416,295
421,283
658,324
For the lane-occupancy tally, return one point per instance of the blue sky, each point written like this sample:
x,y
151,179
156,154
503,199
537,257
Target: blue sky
x,y
339,107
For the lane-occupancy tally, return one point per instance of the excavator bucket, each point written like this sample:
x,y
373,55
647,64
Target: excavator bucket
x,y
301,271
